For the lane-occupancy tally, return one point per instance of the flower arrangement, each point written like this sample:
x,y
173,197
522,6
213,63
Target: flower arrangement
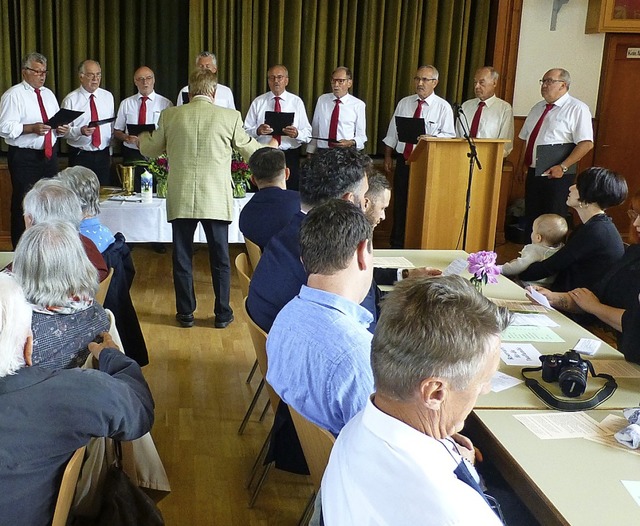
x,y
240,175
483,268
159,168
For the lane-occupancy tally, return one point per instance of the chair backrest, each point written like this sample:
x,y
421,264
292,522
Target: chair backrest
x,y
255,252
259,339
103,288
68,488
244,273
316,444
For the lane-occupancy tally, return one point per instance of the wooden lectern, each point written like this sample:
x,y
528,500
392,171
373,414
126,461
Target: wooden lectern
x,y
437,194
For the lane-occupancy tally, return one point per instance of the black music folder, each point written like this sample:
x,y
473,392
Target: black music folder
x,y
64,116
548,155
137,129
185,97
278,120
409,129
93,124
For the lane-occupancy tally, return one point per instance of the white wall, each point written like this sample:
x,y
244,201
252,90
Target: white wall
x,y
567,47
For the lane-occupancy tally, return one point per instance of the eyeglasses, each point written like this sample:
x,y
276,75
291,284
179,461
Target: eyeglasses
x,y
423,79
276,77
633,215
142,79
92,75
547,82
37,71
339,81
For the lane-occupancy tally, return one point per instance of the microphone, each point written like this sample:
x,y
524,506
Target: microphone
x,y
457,108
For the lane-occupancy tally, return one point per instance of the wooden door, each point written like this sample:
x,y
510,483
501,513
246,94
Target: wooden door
x,y
617,143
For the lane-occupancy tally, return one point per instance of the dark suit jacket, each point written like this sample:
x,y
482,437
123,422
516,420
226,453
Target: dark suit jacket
x,y
268,212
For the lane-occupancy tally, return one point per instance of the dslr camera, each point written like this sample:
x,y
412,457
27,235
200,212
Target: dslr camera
x,y
568,369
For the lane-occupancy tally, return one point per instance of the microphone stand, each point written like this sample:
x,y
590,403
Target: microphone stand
x,y
473,160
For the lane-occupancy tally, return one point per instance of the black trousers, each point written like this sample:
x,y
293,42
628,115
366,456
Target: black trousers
x,y
99,161
400,197
543,195
217,233
292,157
26,167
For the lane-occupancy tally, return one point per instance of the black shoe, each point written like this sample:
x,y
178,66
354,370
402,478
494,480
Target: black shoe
x,y
223,324
185,320
159,248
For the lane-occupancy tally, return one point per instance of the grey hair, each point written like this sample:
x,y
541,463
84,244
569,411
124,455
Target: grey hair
x,y
33,57
85,184
493,72
51,200
564,76
81,65
52,266
206,54
436,74
433,327
15,325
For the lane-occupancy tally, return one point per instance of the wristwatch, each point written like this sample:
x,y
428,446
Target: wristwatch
x,y
564,168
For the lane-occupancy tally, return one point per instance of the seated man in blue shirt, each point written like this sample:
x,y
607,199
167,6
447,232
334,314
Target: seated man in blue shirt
x,y
270,209
338,173
46,415
319,345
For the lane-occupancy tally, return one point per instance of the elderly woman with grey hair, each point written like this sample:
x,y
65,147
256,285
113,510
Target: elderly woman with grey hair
x,y
60,282
85,184
435,350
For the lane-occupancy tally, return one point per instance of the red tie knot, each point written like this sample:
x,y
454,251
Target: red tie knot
x,y
481,104
337,101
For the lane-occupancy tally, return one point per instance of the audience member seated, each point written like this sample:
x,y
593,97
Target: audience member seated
x,y
270,209
595,245
85,184
60,283
319,345
50,200
436,348
339,173
549,232
46,415
614,298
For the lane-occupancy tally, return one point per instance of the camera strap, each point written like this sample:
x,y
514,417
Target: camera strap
x,y
553,402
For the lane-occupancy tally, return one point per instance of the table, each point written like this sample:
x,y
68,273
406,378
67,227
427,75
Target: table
x,y
521,397
566,481
5,259
147,222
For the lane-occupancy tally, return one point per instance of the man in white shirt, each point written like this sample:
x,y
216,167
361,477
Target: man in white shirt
x,y
293,136
558,119
90,146
435,350
24,108
339,120
487,116
438,117
224,95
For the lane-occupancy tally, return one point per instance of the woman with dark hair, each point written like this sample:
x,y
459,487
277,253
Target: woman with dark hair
x,y
593,246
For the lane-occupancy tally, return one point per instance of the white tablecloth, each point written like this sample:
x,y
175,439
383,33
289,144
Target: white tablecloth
x,y
147,222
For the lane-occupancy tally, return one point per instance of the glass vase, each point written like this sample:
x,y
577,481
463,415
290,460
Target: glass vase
x,y
161,189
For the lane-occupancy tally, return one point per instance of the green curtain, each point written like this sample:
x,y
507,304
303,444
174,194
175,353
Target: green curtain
x,y
382,41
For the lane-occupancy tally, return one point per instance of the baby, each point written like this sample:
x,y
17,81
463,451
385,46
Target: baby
x,y
549,231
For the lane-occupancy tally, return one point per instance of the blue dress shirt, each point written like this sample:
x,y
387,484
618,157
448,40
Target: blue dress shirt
x,y
101,236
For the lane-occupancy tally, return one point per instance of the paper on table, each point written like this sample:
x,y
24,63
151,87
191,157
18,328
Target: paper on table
x,y
587,346
522,354
533,320
392,262
617,368
455,268
518,305
611,424
560,425
501,381
536,296
633,487
520,333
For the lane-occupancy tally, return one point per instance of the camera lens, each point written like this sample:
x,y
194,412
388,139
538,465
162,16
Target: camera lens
x,y
573,381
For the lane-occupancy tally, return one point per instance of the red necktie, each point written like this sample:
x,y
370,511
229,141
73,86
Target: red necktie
x,y
333,125
142,116
476,120
408,147
95,137
48,138
528,154
277,109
